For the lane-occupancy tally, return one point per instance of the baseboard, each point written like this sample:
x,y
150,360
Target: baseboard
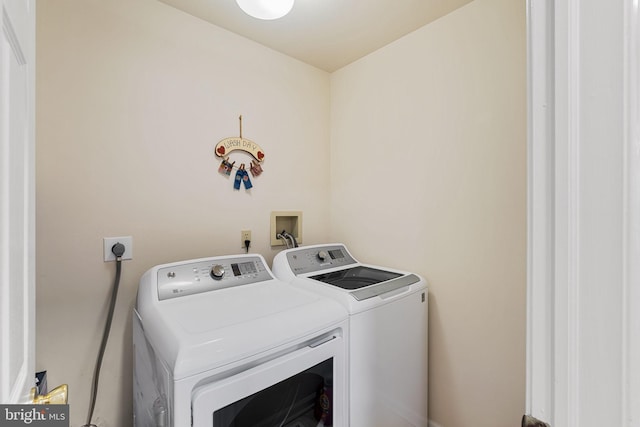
x,y
433,424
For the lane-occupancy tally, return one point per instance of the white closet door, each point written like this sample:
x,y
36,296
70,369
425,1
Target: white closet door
x,y
17,200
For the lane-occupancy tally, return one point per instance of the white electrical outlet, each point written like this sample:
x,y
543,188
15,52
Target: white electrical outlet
x,y
108,242
244,235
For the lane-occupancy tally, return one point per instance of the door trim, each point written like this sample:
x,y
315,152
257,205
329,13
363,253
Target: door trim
x,y
561,294
17,201
631,235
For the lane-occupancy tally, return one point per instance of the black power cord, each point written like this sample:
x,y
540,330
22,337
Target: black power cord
x,y
118,250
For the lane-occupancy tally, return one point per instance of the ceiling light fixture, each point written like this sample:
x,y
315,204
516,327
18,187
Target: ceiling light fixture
x,y
266,9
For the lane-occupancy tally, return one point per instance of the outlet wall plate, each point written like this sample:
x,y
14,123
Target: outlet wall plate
x,y
108,243
244,235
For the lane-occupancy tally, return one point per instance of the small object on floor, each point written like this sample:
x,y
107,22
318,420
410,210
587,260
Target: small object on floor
x,y
529,421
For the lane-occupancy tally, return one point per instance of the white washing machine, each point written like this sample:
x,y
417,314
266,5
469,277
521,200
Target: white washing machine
x,y
388,375
220,342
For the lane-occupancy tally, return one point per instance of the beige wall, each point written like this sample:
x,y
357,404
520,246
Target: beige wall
x,y
132,97
424,151
428,170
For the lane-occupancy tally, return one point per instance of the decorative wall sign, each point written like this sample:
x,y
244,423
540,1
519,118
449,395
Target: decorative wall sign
x,y
229,145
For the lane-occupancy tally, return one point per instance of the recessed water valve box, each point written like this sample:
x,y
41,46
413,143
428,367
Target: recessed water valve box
x,y
289,221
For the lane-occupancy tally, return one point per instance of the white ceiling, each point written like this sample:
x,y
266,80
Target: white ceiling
x,y
327,34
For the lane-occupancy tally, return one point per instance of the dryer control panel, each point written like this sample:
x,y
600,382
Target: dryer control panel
x,y
178,280
309,260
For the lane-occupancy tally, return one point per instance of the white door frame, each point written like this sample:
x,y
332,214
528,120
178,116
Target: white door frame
x,y
17,200
631,288
579,292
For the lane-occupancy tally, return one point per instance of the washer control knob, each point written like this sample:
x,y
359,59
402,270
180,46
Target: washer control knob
x,y
217,272
323,255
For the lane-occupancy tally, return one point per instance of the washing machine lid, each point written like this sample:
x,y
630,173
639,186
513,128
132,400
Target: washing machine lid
x,y
366,282
356,277
239,316
333,265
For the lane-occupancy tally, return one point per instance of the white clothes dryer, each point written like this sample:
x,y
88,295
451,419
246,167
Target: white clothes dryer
x,y
220,342
387,344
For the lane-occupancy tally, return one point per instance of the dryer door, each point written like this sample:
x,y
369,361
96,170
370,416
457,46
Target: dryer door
x,y
295,389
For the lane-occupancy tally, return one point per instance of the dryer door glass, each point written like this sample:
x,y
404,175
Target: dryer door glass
x,y
296,401
297,389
